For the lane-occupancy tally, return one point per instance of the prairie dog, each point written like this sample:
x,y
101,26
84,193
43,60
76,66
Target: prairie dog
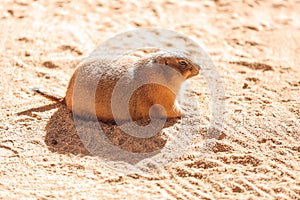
x,y
92,85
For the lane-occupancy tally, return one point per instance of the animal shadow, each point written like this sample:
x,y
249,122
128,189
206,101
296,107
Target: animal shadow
x,y
66,134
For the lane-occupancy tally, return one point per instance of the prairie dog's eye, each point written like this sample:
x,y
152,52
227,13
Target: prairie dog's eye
x,y
183,63
166,62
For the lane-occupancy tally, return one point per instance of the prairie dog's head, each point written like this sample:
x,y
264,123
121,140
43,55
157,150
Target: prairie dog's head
x,y
178,62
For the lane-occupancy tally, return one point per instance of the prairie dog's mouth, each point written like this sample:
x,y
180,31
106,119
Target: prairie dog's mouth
x,y
188,74
195,70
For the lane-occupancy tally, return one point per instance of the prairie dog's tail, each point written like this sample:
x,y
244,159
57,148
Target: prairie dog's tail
x,y
48,95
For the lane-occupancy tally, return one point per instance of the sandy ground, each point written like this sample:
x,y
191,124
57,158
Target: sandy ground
x,y
255,46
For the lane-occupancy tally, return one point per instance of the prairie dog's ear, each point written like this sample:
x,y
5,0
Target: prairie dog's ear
x,y
161,61
166,62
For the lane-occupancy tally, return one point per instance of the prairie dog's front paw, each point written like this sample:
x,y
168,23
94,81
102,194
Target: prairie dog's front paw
x,y
177,110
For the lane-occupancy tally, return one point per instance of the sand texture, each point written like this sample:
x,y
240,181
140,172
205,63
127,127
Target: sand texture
x,y
255,46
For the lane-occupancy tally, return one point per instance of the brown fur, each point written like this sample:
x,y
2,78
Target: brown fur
x,y
142,99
